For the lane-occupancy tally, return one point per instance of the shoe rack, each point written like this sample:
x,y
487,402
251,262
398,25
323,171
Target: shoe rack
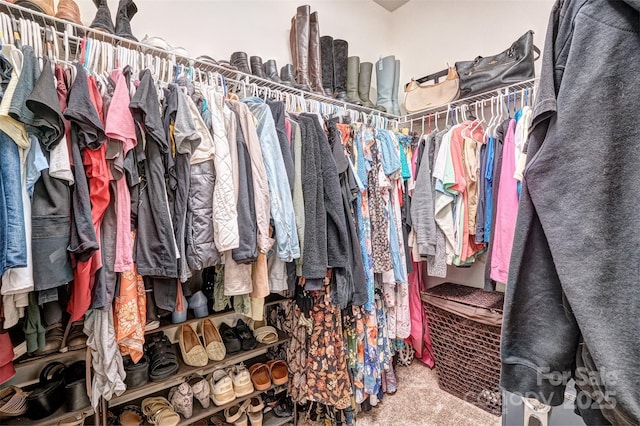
x,y
27,372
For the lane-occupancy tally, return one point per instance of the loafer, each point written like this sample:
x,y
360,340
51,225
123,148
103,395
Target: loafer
x,y
230,339
216,351
192,351
249,342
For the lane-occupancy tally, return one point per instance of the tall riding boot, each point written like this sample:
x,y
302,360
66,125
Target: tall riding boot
x,y
126,10
271,71
353,68
395,107
364,84
340,54
385,70
239,60
326,55
299,42
103,21
315,63
256,66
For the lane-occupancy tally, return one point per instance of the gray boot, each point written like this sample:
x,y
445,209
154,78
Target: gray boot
x,y
364,84
385,70
395,107
353,69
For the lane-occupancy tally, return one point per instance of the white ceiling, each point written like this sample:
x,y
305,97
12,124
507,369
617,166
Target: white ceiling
x,y
391,5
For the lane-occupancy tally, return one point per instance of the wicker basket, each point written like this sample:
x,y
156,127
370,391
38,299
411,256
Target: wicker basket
x,y
465,326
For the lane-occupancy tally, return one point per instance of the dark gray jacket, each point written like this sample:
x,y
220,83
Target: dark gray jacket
x,y
573,294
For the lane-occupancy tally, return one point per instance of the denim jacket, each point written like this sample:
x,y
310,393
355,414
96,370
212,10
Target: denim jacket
x,y
282,211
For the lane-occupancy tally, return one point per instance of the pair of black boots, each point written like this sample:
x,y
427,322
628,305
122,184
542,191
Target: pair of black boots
x,y
267,71
126,10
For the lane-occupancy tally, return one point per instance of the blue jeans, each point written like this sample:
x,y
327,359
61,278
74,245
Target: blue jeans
x,y
13,241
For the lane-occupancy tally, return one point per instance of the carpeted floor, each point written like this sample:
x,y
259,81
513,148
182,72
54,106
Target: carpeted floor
x,y
420,402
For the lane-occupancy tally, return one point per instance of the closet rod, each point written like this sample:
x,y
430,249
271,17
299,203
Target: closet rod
x,y
44,20
471,101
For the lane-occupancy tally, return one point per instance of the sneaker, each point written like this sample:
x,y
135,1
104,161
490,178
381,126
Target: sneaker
x,y
221,388
242,385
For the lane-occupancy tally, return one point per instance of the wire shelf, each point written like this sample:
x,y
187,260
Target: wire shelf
x,y
479,100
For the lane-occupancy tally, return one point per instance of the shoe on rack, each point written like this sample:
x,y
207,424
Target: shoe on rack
x,y
257,68
69,11
299,44
13,402
181,399
218,421
131,415
193,353
284,408
326,57
254,411
240,61
198,303
288,78
54,334
103,21
221,388
42,6
162,356
340,55
385,79
249,342
278,371
216,350
230,339
271,71
237,415
126,10
353,72
241,379
260,376
315,63
76,339
200,388
158,411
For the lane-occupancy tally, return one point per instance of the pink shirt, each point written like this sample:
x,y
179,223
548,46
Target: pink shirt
x,y
120,126
507,210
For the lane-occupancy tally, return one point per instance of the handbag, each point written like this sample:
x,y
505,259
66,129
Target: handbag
x,y
48,395
419,95
512,66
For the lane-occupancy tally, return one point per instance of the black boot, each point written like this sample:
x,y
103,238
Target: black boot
x,y
271,71
103,21
256,66
126,10
340,55
326,56
287,77
239,60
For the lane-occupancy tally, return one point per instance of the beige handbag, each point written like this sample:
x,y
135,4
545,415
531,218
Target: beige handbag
x,y
421,95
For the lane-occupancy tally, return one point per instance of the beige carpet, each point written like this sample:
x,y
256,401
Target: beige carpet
x,y
420,402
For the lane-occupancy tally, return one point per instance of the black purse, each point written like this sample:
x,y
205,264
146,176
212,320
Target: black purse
x,y
512,66
48,395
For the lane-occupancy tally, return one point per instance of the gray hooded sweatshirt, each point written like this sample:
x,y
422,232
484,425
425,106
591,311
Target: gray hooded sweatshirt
x,y
572,303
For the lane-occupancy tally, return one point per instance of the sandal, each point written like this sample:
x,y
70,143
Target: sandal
x,y
254,411
260,376
131,415
13,402
158,411
278,371
200,388
164,361
266,334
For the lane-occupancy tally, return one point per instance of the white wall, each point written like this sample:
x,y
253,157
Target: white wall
x,y
218,28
